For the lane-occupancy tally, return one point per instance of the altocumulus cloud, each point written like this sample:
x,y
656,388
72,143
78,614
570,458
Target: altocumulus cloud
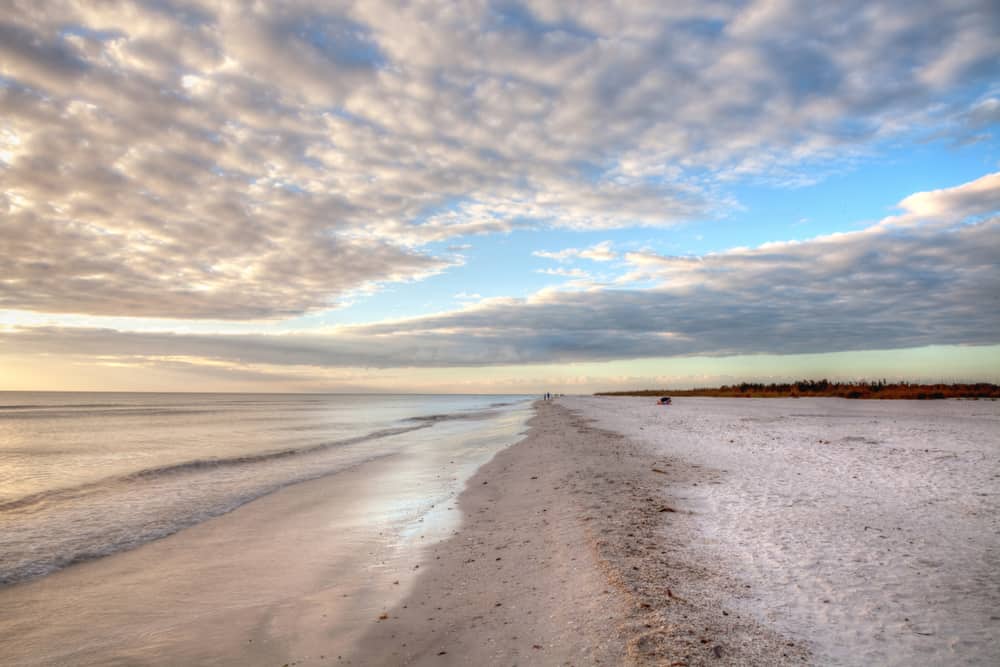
x,y
926,276
226,160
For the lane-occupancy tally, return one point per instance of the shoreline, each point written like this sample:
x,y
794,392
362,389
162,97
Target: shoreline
x,y
613,531
294,576
565,556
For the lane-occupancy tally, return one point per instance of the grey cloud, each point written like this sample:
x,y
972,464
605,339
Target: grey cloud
x,y
985,113
318,55
212,272
899,284
975,124
214,160
34,56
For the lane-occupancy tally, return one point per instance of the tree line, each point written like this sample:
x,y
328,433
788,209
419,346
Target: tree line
x,y
878,389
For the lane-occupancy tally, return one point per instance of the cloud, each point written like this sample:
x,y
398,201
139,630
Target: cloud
x,y
565,273
600,252
889,286
976,198
220,160
559,255
985,113
57,266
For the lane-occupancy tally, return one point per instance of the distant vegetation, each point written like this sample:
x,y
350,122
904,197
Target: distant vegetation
x,y
879,389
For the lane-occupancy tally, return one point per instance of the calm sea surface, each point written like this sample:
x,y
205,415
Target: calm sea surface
x,y
83,475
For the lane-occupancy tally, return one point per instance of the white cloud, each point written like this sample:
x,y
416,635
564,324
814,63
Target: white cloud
x,y
559,256
225,160
565,273
978,197
599,252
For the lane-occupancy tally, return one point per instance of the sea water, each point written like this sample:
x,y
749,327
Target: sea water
x,y
85,475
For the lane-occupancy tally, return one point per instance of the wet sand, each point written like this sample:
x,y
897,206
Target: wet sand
x,y
563,549
296,576
571,552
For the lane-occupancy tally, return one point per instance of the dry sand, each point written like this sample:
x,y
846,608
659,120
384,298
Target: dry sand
x,y
869,530
570,552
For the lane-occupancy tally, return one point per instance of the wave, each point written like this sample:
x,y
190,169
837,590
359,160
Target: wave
x,y
111,539
454,416
51,529
75,492
70,412
49,406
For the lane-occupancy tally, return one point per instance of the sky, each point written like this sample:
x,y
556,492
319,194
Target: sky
x,y
497,197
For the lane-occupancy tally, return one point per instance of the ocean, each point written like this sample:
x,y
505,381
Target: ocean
x,y
85,475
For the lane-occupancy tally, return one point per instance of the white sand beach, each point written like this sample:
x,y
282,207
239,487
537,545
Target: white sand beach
x,y
721,532
868,529
711,532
